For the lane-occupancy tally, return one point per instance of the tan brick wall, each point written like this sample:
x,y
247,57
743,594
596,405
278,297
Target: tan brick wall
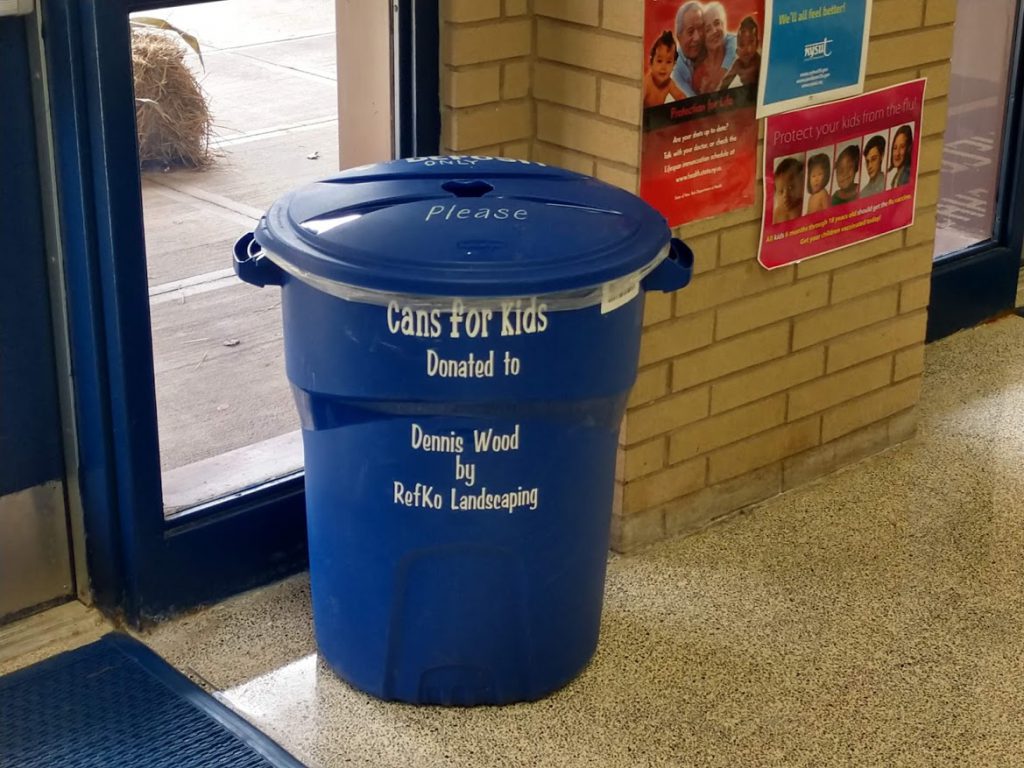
x,y
486,77
807,368
751,382
586,81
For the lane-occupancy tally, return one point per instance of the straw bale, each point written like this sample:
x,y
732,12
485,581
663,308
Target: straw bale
x,y
171,111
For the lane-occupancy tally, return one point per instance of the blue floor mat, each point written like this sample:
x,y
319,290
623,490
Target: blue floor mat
x,y
115,703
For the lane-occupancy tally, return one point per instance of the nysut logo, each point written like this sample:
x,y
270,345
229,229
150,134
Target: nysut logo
x,y
819,50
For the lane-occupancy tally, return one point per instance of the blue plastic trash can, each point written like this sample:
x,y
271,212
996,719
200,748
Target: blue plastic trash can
x,y
461,335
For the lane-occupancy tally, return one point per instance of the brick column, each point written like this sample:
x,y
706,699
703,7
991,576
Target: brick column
x,y
587,87
751,382
486,48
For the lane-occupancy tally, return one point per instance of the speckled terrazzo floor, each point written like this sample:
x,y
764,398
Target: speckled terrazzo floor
x,y
875,618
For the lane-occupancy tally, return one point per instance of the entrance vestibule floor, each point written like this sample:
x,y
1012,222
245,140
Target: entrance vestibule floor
x,y
875,617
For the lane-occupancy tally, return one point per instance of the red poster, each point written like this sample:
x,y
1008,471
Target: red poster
x,y
701,68
840,173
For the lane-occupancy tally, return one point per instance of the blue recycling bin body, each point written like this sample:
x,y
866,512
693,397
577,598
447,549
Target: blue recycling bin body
x,y
460,383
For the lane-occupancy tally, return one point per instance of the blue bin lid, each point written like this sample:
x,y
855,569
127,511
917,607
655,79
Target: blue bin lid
x,y
463,226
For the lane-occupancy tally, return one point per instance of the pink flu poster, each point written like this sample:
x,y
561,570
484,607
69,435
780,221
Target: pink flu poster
x,y
840,173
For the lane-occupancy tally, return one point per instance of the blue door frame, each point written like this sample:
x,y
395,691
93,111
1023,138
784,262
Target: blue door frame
x,y
30,428
142,566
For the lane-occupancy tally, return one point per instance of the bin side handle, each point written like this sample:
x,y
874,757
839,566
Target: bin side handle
x,y
674,272
253,266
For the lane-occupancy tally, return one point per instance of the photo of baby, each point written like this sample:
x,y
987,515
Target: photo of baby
x,y
873,172
747,67
845,188
658,85
789,188
819,175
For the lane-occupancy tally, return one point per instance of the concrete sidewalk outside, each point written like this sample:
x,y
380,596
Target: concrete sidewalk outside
x,y
271,81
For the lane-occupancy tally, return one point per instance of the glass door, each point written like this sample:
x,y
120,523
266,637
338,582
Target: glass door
x,y
978,234
176,125
236,102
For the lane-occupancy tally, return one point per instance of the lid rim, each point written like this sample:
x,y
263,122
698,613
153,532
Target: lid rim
x,y
569,298
369,240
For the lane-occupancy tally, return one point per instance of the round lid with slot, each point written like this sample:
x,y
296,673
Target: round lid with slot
x,y
463,226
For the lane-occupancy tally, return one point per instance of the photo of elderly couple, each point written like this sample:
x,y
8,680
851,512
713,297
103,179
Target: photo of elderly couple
x,y
706,51
851,170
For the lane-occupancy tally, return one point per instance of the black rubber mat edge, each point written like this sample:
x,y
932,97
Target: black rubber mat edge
x,y
178,684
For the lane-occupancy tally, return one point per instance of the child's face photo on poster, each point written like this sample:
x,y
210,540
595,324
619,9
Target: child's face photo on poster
x,y
747,68
901,155
872,177
789,188
819,179
845,178
658,85
902,140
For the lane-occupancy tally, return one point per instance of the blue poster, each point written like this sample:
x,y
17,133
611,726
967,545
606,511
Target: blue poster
x,y
815,51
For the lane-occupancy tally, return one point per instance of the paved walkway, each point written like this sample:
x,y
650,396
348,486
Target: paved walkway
x,y
271,81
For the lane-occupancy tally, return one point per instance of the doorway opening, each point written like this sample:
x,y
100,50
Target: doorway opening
x,y
266,74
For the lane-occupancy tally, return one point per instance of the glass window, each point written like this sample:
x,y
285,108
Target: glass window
x,y
223,131
971,159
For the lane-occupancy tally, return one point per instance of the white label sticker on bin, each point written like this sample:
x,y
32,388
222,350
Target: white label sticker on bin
x,y
618,293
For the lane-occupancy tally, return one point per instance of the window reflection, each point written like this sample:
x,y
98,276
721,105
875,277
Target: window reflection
x,y
971,158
